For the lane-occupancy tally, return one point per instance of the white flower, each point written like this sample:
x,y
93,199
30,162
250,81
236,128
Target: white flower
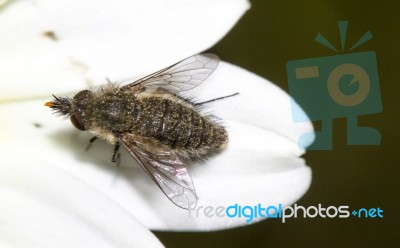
x,y
56,193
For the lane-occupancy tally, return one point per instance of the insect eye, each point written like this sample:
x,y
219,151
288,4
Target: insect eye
x,y
79,102
81,95
77,122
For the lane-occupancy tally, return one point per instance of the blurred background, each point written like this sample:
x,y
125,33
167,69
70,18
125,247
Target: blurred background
x,y
269,35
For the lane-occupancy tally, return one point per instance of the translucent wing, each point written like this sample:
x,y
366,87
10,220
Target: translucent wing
x,y
164,167
182,76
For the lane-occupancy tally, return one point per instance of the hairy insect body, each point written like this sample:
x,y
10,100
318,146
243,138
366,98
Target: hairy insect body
x,y
109,112
165,118
178,124
162,131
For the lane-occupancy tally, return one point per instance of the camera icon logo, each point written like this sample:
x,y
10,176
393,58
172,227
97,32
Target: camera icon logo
x,y
337,86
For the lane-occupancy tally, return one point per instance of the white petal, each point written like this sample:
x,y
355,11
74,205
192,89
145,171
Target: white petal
x,y
45,206
3,3
51,46
261,164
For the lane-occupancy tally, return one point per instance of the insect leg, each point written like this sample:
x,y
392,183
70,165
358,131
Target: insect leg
x,y
215,99
115,155
91,142
93,139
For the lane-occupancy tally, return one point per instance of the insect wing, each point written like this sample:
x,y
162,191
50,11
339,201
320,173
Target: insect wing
x,y
182,76
164,167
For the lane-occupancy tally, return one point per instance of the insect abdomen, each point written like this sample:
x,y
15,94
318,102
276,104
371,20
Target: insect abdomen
x,y
177,124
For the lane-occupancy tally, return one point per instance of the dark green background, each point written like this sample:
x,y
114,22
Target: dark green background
x,y
268,36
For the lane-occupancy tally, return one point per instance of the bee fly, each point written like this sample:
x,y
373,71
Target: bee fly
x,y
161,130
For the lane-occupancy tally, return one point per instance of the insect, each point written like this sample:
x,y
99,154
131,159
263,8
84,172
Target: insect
x,y
162,131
